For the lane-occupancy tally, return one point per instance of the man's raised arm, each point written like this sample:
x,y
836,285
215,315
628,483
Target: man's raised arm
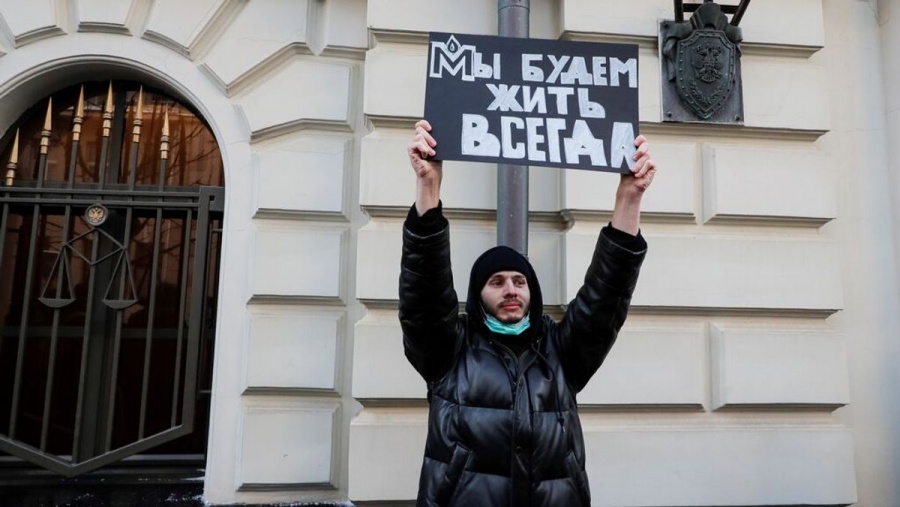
x,y
627,212
593,319
429,307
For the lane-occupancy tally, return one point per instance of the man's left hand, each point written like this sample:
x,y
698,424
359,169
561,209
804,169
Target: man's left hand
x,y
636,183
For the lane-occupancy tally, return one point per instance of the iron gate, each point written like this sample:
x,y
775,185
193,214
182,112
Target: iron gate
x,y
111,287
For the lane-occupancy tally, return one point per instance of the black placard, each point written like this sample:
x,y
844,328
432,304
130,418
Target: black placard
x,y
533,101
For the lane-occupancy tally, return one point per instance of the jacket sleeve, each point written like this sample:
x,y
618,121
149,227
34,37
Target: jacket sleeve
x,y
429,307
593,319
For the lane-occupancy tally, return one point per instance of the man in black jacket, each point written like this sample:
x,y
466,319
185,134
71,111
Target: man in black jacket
x,y
503,427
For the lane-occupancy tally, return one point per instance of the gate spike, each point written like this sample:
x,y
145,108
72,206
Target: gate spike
x,y
107,111
45,134
79,116
140,106
14,156
109,99
47,118
138,117
79,111
13,162
164,140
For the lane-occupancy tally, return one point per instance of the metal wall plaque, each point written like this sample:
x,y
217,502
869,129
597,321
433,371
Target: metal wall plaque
x,y
701,68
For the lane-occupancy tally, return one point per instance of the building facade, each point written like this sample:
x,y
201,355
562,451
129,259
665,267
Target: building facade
x,y
758,365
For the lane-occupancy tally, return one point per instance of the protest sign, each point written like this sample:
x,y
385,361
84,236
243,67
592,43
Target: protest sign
x,y
533,101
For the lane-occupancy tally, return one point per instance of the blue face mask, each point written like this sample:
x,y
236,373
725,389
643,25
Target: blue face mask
x,y
513,329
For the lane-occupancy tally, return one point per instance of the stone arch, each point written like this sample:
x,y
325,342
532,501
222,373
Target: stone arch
x,y
276,81
42,66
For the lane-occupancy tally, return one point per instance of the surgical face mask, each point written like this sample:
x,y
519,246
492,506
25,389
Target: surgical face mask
x,y
513,329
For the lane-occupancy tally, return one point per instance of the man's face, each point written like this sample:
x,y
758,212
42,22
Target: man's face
x,y
506,296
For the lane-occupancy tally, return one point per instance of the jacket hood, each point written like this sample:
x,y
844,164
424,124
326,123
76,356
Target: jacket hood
x,y
502,258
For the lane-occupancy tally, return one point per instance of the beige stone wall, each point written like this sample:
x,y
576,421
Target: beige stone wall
x,y
724,384
863,68
758,366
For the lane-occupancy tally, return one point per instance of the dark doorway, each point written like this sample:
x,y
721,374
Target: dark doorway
x,y
110,226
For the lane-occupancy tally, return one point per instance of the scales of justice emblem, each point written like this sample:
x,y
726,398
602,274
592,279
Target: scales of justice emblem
x,y
94,216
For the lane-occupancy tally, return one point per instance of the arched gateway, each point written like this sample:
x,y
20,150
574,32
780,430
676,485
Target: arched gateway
x,y
110,223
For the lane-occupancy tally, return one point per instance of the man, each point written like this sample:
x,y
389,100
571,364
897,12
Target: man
x,y
503,426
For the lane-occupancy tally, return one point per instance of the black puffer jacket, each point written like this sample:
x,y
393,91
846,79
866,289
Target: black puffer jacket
x,y
504,430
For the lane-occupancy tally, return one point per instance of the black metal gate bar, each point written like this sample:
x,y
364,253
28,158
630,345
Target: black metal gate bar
x,y
140,197
104,144
148,342
11,168
63,467
151,311
54,330
197,290
109,204
212,278
144,196
85,349
78,435
4,223
126,239
117,340
51,361
186,247
29,275
126,451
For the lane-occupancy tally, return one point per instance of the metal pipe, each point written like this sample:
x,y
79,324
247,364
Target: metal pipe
x,y
513,17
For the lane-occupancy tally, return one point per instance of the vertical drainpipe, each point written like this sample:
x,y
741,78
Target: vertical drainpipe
x,y
512,180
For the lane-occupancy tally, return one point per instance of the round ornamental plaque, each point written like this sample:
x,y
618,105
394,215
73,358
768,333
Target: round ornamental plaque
x,y
96,214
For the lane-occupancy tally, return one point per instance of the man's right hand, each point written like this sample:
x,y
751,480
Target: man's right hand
x,y
429,173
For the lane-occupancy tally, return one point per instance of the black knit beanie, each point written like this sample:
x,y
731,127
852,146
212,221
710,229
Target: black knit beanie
x,y
499,258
